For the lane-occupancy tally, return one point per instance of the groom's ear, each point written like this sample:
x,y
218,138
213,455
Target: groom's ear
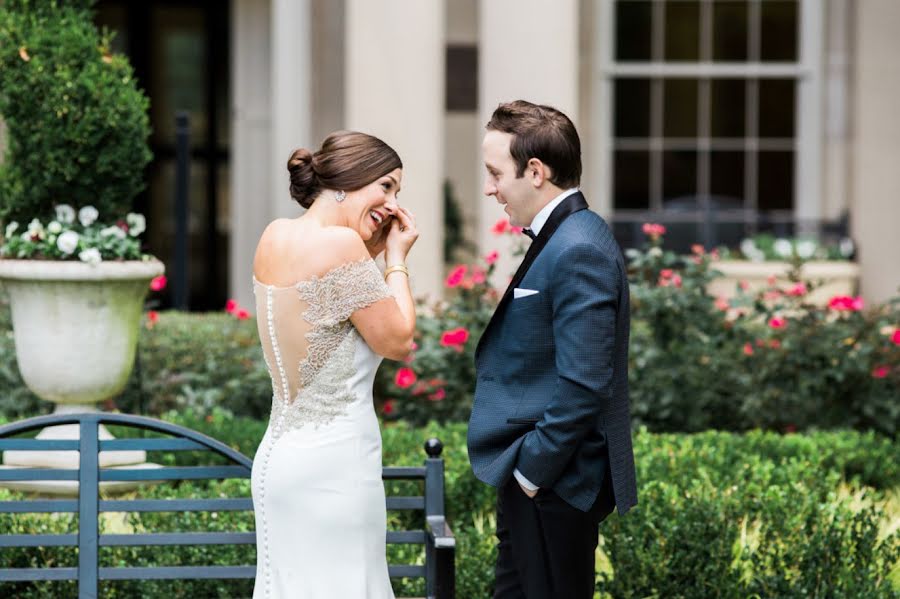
x,y
537,172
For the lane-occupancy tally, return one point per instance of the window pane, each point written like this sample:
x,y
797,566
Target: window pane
x,y
776,107
632,108
730,31
633,30
776,181
178,71
727,107
726,175
631,176
679,175
680,107
778,26
682,30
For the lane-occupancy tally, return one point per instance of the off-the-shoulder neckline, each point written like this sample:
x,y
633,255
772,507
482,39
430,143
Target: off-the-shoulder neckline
x,y
314,278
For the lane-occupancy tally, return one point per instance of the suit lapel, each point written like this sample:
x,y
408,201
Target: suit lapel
x,y
566,208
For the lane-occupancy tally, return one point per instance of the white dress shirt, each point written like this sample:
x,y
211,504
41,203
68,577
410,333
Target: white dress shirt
x,y
537,224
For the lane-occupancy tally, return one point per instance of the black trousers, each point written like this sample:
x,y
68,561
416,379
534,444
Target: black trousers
x,y
546,546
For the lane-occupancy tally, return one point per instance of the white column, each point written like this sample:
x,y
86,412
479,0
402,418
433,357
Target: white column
x,y
291,99
395,90
809,111
875,208
251,140
528,51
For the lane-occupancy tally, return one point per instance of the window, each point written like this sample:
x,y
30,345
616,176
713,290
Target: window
x,y
711,103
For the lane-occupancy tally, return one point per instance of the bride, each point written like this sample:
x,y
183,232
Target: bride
x,y
326,317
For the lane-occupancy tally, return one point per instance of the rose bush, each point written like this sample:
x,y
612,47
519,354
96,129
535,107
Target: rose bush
x,y
767,359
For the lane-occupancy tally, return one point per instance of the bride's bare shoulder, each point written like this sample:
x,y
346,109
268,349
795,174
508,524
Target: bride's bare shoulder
x,y
290,250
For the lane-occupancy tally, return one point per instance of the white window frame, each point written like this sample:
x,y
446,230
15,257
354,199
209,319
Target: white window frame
x,y
807,71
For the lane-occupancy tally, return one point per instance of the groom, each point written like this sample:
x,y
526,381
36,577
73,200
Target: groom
x,y
550,426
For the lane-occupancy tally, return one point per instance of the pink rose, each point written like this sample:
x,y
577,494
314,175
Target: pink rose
x,y
438,395
722,304
158,283
653,231
846,303
797,290
896,337
231,306
777,322
500,227
492,257
697,249
242,314
880,372
748,349
455,337
478,276
388,408
456,276
152,319
405,378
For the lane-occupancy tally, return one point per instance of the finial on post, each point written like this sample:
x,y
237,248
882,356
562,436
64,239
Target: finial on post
x,y
434,447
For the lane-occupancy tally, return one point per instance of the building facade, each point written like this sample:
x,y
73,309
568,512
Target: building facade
x,y
778,114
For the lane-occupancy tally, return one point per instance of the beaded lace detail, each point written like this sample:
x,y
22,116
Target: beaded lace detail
x,y
323,393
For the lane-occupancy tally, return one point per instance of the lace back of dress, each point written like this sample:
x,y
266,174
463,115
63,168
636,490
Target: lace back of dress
x,y
283,334
308,340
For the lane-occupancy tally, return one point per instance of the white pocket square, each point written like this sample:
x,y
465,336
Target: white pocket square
x,y
517,292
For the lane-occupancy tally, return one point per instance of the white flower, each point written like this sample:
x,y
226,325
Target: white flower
x,y
137,224
91,256
748,247
36,229
68,242
783,248
54,227
11,228
806,248
846,247
655,252
756,255
65,214
26,236
87,216
113,231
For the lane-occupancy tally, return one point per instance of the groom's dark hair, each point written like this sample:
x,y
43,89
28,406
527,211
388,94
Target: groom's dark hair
x,y
541,132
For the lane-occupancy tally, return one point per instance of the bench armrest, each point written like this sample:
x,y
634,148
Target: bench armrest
x,y
440,559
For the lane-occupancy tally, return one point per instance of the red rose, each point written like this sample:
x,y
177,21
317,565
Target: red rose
x,y
388,407
455,337
231,306
158,283
405,378
242,314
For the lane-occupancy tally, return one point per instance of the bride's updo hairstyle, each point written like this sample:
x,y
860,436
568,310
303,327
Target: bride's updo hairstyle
x,y
347,161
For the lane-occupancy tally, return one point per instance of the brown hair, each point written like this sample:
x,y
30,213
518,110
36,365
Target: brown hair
x,y
347,161
541,132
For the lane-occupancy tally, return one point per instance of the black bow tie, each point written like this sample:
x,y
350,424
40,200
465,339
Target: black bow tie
x,y
529,232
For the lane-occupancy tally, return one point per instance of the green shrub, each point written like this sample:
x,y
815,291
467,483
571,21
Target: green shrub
x,y
77,122
720,515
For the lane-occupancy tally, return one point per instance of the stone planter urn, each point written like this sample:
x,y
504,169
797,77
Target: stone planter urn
x,y
76,328
836,277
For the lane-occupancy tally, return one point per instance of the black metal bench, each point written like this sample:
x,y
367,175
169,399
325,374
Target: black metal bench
x,y
438,570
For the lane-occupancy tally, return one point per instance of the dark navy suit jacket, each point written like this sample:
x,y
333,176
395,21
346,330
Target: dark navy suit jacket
x,y
551,395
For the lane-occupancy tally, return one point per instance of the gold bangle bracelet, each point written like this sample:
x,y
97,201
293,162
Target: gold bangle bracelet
x,y
396,268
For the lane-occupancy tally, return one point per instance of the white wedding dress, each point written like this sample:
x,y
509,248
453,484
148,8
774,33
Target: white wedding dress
x,y
317,491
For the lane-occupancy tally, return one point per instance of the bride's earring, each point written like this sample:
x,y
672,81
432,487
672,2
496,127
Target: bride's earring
x,y
340,196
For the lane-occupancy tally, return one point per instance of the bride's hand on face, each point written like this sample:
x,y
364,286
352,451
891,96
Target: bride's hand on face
x,y
401,237
377,243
